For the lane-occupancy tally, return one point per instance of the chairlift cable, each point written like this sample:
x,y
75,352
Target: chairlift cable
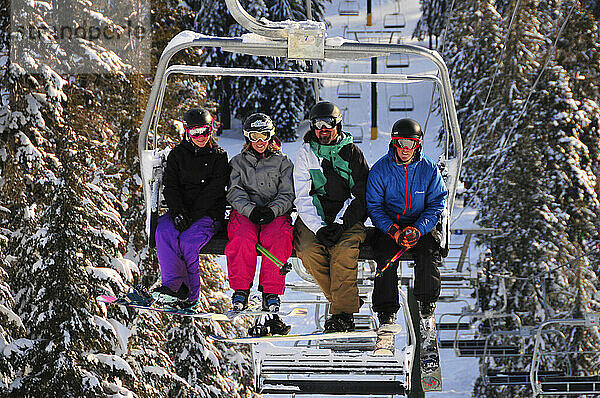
x,y
492,167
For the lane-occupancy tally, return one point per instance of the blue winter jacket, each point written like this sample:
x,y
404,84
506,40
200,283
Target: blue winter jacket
x,y
412,194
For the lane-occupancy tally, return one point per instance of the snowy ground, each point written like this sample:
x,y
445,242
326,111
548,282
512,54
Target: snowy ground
x,y
458,373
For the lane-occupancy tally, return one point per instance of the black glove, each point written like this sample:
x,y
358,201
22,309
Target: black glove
x,y
330,234
262,215
182,222
255,215
268,215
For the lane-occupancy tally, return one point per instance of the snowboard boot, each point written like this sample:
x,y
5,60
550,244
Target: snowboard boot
x,y
343,322
239,300
138,296
427,325
272,326
386,318
270,302
426,309
165,295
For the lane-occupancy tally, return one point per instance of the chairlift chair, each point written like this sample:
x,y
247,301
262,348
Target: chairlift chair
x,y
349,90
397,61
356,130
394,21
401,103
563,381
349,8
302,42
375,36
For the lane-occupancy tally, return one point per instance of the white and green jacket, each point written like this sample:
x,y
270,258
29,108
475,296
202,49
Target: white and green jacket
x,y
330,183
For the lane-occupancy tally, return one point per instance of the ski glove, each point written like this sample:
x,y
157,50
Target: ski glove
x,y
330,234
262,215
395,233
182,222
267,214
411,236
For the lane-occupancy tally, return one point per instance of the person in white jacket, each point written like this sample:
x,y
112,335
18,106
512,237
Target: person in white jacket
x,y
330,177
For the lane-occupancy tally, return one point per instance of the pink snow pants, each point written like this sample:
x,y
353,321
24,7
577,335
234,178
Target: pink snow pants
x,y
241,254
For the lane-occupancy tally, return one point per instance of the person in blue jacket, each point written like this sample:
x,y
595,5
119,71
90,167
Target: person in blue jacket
x,y
405,199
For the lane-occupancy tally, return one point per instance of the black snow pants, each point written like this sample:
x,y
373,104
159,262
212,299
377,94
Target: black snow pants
x,y
427,256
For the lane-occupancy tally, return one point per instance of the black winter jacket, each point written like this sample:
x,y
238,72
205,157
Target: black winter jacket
x,y
195,180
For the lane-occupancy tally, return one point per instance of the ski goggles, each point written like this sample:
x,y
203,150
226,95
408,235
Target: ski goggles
x,y
324,123
199,131
255,136
408,143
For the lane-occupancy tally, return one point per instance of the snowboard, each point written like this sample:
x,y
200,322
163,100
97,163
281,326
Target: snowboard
x,y
296,337
431,372
385,342
147,303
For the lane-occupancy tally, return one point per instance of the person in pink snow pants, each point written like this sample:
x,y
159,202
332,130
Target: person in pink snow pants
x,y
261,194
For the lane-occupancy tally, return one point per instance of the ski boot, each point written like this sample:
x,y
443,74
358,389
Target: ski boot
x,y
272,326
270,302
239,300
343,322
164,294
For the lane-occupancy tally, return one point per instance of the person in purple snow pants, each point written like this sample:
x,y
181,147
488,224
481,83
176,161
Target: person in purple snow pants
x,y
261,194
195,178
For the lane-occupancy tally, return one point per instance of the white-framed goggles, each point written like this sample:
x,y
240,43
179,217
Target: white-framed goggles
x,y
255,136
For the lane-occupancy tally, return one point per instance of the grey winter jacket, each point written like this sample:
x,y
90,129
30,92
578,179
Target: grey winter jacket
x,y
261,182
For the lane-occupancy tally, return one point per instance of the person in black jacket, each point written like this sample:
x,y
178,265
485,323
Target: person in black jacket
x,y
195,178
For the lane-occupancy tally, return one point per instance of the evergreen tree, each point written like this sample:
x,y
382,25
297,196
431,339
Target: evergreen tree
x,y
433,20
472,49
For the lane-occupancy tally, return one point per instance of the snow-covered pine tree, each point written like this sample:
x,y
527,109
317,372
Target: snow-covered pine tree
x,y
486,132
471,51
541,193
546,205
432,21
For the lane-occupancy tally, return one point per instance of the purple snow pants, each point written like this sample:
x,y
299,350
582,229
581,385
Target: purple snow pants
x,y
178,252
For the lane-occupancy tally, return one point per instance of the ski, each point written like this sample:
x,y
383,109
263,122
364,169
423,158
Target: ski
x,y
296,337
385,343
431,373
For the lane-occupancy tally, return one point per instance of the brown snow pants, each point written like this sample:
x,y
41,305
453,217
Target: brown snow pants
x,y
335,268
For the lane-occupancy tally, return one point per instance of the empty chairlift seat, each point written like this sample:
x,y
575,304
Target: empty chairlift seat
x,y
356,130
394,21
349,90
397,61
401,103
349,7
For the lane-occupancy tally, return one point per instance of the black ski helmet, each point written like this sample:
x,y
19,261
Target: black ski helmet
x,y
197,117
326,109
408,128
258,123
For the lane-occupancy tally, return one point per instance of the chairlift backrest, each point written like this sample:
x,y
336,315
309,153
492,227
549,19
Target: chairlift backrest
x,y
304,40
